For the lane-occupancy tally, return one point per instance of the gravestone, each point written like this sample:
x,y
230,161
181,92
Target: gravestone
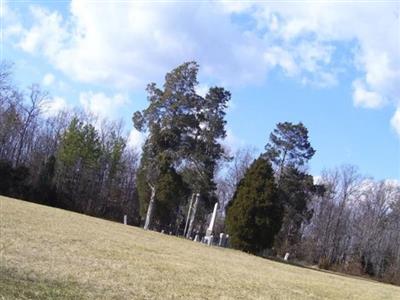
x,y
210,240
210,229
286,256
221,239
125,219
226,240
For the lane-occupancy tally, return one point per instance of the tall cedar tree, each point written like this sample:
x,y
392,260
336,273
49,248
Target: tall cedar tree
x,y
254,215
171,191
184,128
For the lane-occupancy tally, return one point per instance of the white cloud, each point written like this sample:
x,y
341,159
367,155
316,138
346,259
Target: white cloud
x,y
136,139
395,121
277,56
53,106
141,41
365,98
393,182
102,105
317,179
11,25
48,79
47,35
202,89
231,142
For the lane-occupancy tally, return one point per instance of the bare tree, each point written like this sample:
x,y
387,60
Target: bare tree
x,y
230,174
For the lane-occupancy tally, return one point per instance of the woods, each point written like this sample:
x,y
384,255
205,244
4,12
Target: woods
x,y
64,160
269,203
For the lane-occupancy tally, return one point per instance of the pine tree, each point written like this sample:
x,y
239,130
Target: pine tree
x,y
254,215
289,150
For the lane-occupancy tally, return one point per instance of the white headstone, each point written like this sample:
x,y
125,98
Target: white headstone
x,y
286,256
221,239
210,240
125,219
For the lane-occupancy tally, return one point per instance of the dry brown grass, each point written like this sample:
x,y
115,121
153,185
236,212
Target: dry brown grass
x,y
52,253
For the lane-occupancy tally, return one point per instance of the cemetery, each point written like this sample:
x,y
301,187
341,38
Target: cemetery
x,y
202,149
48,253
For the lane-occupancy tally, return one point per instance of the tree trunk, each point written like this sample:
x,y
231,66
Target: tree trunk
x,y
190,229
150,209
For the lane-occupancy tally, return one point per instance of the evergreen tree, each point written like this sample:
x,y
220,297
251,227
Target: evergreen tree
x,y
77,168
171,191
289,146
290,150
45,191
254,215
184,128
296,190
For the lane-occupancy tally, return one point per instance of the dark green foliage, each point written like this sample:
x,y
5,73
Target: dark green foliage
x,y
6,170
289,150
289,145
14,181
184,128
45,190
296,190
78,160
80,145
63,160
254,215
171,192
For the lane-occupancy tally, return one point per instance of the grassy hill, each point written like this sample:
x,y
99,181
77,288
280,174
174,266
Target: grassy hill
x,y
49,253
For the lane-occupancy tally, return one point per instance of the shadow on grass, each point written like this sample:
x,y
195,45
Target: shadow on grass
x,y
17,285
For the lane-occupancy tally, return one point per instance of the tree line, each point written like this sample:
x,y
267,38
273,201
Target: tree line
x,y
268,203
65,160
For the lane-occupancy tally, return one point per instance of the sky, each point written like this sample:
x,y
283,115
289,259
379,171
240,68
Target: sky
x,y
333,65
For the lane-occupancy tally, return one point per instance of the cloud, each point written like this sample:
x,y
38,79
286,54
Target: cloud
x,y
202,89
10,21
231,142
365,98
101,105
308,37
48,79
47,35
395,121
53,106
140,42
393,182
136,139
236,43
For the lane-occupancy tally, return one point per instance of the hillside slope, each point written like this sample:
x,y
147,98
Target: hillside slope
x,y
52,253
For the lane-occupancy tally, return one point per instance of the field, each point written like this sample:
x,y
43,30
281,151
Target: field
x,y
49,253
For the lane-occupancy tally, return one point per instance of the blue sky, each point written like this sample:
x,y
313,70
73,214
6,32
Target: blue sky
x,y
333,66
